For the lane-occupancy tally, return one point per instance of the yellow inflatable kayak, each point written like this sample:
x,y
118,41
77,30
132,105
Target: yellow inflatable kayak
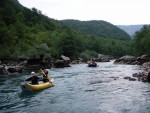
x,y
30,87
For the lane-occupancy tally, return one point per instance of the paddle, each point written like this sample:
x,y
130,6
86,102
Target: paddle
x,y
45,75
41,72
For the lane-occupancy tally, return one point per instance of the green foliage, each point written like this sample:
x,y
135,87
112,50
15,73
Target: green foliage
x,y
28,34
68,44
97,28
3,33
42,50
142,41
88,54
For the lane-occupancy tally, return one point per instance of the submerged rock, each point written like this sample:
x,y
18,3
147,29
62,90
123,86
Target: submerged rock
x,y
142,76
130,78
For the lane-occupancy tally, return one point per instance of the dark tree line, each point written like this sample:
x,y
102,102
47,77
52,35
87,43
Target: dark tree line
x,y
142,41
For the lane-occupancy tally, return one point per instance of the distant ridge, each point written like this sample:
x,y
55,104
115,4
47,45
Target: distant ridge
x,y
97,28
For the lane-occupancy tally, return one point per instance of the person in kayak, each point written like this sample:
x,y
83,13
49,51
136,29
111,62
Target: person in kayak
x,y
34,79
92,63
44,73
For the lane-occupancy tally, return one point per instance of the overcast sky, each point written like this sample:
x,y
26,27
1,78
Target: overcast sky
x,y
118,12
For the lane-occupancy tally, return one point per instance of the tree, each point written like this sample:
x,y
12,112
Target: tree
x,y
142,41
68,44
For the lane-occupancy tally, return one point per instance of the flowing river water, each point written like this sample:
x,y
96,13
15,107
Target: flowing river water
x,y
79,89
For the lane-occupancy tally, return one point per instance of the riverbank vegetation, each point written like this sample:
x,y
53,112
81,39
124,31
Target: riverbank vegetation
x,y
28,34
142,41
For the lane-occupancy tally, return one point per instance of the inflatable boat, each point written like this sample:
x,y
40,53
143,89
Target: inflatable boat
x,y
40,86
92,65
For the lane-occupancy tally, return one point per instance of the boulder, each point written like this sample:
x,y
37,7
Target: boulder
x,y
132,79
146,65
132,60
14,69
65,58
3,70
142,59
103,58
61,64
138,75
34,64
142,76
148,77
126,60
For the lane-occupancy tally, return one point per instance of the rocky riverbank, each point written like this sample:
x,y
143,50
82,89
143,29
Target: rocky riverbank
x,y
143,60
19,66
11,66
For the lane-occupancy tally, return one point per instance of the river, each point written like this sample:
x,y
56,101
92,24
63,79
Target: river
x,y
79,89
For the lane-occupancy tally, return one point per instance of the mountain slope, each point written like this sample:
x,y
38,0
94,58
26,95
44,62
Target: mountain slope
x,y
97,28
28,34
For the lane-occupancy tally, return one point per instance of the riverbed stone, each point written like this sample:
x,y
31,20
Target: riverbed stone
x,y
148,77
125,60
3,70
13,69
132,79
61,64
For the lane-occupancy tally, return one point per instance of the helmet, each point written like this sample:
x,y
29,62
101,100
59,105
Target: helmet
x,y
46,71
32,73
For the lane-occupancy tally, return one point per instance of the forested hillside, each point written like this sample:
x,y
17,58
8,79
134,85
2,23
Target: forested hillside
x,y
97,28
28,34
25,33
142,41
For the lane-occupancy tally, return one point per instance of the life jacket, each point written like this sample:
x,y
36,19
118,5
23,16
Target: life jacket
x,y
45,78
34,80
45,75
